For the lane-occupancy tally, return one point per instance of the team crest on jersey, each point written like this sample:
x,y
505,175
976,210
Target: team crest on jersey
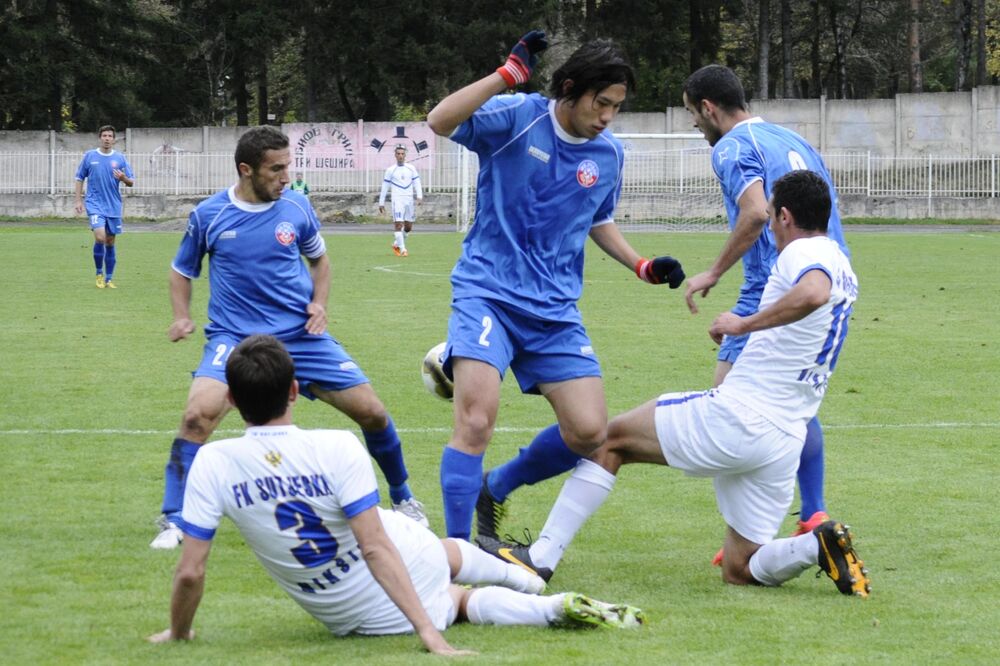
x,y
587,173
285,233
273,458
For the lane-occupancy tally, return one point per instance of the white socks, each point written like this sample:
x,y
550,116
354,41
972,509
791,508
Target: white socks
x,y
400,240
498,605
479,567
784,559
581,496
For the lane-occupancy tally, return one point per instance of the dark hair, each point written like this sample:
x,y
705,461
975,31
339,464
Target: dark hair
x,y
717,84
106,128
807,196
592,67
255,142
260,374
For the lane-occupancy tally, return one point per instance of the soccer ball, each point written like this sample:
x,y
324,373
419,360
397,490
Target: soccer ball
x,y
432,372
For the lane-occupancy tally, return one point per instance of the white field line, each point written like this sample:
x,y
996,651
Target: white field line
x,y
510,429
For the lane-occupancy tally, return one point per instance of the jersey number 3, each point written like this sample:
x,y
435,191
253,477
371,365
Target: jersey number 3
x,y
318,545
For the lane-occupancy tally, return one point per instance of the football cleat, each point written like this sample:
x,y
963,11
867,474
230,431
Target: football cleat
x,y
581,609
413,509
814,521
110,285
489,512
404,253
100,281
170,535
839,561
396,251
515,553
801,528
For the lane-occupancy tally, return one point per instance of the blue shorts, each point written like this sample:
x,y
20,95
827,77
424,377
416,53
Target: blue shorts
x,y
747,304
319,359
536,350
112,225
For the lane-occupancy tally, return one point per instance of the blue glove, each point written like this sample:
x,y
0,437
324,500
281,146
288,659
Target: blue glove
x,y
660,270
523,58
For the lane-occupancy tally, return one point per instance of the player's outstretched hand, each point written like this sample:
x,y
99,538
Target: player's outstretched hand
x,y
180,329
316,323
166,636
660,270
523,58
436,644
699,284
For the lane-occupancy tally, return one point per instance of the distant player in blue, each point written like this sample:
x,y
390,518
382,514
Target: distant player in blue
x,y
550,175
103,169
748,157
255,235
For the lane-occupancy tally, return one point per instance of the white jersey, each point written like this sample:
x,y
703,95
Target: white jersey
x,y
291,493
783,372
403,180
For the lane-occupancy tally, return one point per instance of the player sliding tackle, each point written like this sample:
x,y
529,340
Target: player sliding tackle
x,y
306,504
550,175
746,434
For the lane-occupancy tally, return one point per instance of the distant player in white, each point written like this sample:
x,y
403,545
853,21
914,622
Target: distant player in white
x,y
747,433
404,182
306,503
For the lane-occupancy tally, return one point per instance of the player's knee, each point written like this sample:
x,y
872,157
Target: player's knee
x,y
371,416
473,430
585,438
196,426
737,574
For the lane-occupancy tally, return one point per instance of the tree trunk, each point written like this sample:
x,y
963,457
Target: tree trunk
x,y
916,65
817,77
240,92
763,47
963,42
262,109
981,43
787,79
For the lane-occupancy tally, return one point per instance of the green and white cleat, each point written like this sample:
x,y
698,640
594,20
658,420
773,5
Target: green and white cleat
x,y
580,609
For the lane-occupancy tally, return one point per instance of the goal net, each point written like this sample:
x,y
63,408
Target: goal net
x,y
669,185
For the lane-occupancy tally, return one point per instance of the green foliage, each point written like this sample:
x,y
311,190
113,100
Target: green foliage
x,y
93,392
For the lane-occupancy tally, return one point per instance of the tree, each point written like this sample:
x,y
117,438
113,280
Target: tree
x,y
916,64
763,47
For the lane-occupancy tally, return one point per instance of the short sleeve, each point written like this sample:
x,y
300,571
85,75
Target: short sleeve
x,y
192,249
203,505
354,483
83,170
606,211
127,168
311,243
736,166
490,126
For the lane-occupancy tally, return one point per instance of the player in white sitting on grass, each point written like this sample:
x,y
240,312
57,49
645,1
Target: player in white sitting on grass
x,y
306,503
403,181
746,434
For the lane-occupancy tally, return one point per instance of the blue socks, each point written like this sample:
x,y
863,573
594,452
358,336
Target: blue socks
x,y
386,449
99,256
811,471
110,259
461,478
182,453
547,456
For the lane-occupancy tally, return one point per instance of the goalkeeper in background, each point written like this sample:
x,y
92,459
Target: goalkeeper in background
x,y
550,176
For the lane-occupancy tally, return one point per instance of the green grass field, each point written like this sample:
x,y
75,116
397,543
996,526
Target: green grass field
x,y
92,392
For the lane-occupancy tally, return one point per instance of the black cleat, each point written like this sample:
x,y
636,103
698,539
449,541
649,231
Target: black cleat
x,y
839,560
515,553
489,512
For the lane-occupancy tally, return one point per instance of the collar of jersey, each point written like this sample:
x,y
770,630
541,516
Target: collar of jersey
x,y
755,119
108,154
560,132
246,205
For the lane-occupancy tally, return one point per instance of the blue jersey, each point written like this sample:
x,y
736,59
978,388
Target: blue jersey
x,y
103,197
539,193
257,280
754,150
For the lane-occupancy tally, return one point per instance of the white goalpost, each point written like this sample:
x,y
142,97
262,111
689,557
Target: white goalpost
x,y
668,185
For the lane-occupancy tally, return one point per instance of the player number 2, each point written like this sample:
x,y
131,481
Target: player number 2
x,y
221,354
318,545
487,327
796,162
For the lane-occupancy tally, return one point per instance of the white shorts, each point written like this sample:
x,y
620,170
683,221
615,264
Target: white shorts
x,y
403,210
426,560
752,462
